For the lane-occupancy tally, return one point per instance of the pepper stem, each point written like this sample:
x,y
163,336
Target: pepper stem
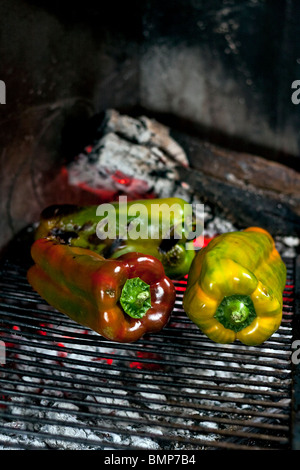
x,y
135,297
236,312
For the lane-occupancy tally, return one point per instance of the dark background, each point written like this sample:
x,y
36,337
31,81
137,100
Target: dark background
x,y
221,70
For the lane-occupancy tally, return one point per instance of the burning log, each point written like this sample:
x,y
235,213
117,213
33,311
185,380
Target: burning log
x,y
136,157
140,157
145,131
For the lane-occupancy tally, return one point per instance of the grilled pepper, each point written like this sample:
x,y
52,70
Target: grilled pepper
x,y
235,286
166,237
119,299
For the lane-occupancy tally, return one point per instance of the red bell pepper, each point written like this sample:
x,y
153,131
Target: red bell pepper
x,y
120,299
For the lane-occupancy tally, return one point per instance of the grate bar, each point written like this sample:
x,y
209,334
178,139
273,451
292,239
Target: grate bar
x,y
157,412
275,372
214,398
135,377
276,361
162,424
175,389
199,443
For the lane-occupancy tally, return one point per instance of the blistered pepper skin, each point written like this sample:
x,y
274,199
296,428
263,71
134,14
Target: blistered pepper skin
x,y
87,288
77,226
235,287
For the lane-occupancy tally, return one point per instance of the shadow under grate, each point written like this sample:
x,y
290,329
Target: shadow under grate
x,y
65,387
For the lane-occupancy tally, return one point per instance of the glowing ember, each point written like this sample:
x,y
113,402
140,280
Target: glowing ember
x,y
144,364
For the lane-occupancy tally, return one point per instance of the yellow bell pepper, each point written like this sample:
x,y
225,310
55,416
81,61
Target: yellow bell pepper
x,y
235,286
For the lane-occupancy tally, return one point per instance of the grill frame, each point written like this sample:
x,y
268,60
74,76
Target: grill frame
x,y
258,421
295,413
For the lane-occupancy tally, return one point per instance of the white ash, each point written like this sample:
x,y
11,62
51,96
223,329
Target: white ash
x,y
137,149
288,246
142,165
143,130
291,241
218,225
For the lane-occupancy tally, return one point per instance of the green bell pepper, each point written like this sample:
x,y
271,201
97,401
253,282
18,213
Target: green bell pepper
x,y
161,229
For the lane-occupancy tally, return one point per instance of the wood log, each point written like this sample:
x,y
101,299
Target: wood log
x,y
246,189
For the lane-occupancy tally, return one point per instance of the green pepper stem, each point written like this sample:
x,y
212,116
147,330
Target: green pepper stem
x,y
235,312
135,297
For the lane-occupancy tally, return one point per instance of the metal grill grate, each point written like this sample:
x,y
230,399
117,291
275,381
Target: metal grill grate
x,y
65,387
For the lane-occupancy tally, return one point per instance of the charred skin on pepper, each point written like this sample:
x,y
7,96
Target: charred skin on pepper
x,y
235,286
77,226
87,287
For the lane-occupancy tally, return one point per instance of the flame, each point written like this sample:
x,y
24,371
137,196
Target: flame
x,y
146,365
202,241
179,288
41,332
121,178
4,398
108,360
88,148
61,353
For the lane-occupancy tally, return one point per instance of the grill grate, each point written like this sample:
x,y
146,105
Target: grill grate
x,y
65,387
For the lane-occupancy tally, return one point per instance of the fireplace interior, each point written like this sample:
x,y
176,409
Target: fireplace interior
x,y
146,100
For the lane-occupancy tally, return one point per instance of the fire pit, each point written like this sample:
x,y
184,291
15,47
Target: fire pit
x,y
97,107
